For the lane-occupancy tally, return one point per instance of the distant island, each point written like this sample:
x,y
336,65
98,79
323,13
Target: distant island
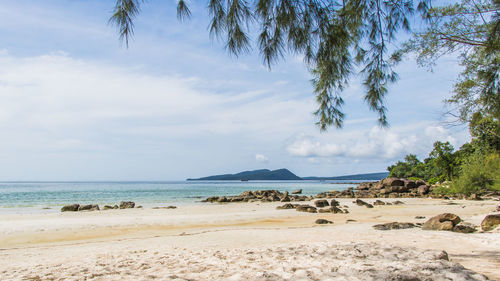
x,y
285,174
263,174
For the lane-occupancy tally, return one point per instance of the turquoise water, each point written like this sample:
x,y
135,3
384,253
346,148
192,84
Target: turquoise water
x,y
21,197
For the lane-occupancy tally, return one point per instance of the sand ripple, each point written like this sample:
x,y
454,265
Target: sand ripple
x,y
297,262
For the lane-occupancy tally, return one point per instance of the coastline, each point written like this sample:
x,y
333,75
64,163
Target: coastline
x,y
26,238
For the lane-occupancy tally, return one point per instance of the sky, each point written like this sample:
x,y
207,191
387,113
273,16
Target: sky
x,y
76,104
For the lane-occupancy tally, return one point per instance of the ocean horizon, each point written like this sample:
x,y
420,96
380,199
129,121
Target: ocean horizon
x,y
50,196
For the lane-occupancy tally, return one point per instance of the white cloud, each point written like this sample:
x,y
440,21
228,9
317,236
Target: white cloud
x,y
261,158
439,133
375,143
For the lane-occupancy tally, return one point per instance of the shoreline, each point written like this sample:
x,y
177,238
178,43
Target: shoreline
x,y
24,239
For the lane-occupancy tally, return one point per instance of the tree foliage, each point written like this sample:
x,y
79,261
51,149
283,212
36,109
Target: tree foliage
x,y
335,38
441,164
480,172
471,29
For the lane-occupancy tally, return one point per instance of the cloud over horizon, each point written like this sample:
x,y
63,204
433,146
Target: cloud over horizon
x,y
376,143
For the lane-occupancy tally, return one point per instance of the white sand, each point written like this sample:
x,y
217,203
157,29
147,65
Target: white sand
x,y
216,242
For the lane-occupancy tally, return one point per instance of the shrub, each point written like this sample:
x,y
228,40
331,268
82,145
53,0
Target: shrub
x,y
479,173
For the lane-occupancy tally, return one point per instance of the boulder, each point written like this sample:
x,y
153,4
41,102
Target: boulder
x,y
393,182
394,225
463,228
211,199
360,202
444,221
88,208
70,208
306,208
323,221
286,206
333,209
420,182
395,188
365,186
285,199
220,200
334,203
379,203
127,205
410,184
107,207
490,222
398,202
298,191
321,203
423,189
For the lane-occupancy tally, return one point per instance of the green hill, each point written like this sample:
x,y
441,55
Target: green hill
x,y
264,174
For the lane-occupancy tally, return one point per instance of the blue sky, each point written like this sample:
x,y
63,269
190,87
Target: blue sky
x,y
77,105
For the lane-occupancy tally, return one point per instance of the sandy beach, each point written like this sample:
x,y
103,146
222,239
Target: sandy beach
x,y
253,241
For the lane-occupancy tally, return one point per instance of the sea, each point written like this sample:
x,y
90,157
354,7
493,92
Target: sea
x,y
49,197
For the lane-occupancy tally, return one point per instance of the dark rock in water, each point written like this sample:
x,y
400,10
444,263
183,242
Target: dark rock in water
x,y
306,208
323,221
211,199
393,225
139,207
420,217
463,228
287,206
321,203
298,191
444,221
127,205
398,202
116,207
107,207
88,208
490,222
222,200
379,203
70,208
350,220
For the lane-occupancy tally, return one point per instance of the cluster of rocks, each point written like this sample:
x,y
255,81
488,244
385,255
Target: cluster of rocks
x,y
452,222
394,225
392,188
320,206
261,195
446,222
95,207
